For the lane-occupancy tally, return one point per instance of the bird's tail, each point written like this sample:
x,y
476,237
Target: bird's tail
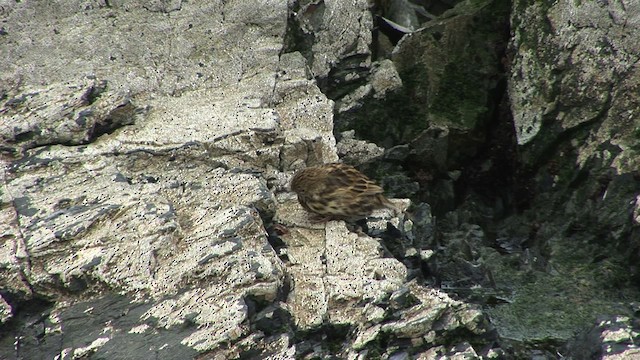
x,y
389,205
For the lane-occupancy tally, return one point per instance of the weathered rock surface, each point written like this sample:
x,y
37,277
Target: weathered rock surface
x,y
69,114
582,66
573,88
341,31
535,189
610,338
146,148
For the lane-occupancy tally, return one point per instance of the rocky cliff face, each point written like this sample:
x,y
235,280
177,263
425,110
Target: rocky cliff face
x,y
147,146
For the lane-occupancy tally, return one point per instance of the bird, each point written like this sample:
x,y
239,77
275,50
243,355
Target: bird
x,y
338,191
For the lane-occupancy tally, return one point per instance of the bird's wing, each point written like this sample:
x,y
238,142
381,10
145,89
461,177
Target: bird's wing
x,y
347,177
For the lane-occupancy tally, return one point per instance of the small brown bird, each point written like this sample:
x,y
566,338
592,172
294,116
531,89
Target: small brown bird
x,y
338,191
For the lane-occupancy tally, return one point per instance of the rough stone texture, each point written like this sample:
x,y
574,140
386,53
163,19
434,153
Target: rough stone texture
x,y
576,67
341,30
166,209
451,80
573,84
171,49
305,115
353,151
449,71
153,214
573,91
611,338
383,79
146,147
6,311
68,114
439,102
595,37
334,270
537,202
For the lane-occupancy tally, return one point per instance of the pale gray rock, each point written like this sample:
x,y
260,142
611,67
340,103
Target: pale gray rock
x,y
200,46
341,30
13,255
576,71
332,269
383,79
415,323
461,351
167,208
147,147
355,152
434,306
306,116
379,221
70,114
5,311
340,278
128,227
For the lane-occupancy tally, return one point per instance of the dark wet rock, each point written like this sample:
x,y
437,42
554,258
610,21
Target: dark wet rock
x,y
612,337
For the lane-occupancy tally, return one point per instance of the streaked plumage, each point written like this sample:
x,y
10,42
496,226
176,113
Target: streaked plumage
x,y
338,191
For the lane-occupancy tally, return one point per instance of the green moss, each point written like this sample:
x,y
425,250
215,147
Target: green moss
x,y
461,97
389,120
532,38
635,139
553,307
449,71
